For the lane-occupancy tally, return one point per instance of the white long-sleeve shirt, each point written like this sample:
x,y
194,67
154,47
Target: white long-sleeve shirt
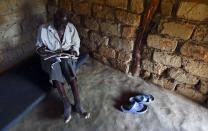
x,y
48,36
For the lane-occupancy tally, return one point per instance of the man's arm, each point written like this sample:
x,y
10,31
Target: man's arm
x,y
71,52
43,51
75,42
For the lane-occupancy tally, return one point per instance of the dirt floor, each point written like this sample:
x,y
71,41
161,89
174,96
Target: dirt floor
x,y
103,90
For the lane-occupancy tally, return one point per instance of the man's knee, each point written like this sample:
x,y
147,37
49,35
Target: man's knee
x,y
57,83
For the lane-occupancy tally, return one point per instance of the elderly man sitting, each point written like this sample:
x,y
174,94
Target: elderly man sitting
x,y
58,45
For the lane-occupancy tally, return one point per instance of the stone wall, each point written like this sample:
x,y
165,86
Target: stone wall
x,y
19,20
176,56
107,28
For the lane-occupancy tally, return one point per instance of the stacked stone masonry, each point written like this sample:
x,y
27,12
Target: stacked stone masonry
x,y
176,55
19,21
107,28
179,48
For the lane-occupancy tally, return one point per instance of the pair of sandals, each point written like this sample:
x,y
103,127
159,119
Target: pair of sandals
x,y
138,104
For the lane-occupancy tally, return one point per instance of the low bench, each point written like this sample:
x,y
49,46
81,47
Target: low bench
x,y
21,89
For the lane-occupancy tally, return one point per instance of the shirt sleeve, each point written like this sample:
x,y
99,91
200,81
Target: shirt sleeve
x,y
39,41
75,40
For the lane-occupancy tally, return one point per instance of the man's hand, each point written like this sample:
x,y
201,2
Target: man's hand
x,y
71,52
43,51
58,51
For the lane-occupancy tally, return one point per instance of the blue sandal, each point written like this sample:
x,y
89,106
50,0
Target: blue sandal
x,y
145,99
134,108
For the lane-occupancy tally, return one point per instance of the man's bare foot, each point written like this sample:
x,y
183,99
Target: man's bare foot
x,y
67,119
85,115
82,113
67,110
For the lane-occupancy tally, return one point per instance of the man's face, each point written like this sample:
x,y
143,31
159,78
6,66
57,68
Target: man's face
x,y
60,21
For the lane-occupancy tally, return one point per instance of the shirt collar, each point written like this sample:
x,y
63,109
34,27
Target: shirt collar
x,y
51,28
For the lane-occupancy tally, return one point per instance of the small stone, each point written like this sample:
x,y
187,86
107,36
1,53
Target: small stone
x,y
4,21
82,8
100,40
166,59
181,76
137,6
76,20
201,33
204,87
122,66
129,32
163,82
110,29
103,12
147,53
83,32
96,37
122,44
91,24
13,31
128,18
90,45
193,10
206,38
183,31
97,1
14,4
197,68
97,56
145,75
124,57
167,7
152,67
3,7
107,52
117,3
66,4
158,42
192,50
100,58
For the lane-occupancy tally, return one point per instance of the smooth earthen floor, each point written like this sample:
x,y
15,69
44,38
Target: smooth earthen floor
x,y
103,90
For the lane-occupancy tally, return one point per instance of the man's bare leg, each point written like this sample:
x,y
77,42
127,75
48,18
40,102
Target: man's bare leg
x,y
78,106
67,105
67,72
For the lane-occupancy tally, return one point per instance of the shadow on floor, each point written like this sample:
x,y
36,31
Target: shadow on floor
x,y
52,109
